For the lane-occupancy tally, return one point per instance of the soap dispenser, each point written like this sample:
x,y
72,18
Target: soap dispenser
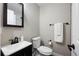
x,y
22,38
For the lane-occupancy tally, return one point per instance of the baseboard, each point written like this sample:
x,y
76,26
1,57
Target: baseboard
x,y
56,54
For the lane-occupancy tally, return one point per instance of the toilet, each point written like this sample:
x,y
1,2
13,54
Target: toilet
x,y
41,49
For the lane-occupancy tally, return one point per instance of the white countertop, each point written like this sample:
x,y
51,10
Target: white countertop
x,y
10,49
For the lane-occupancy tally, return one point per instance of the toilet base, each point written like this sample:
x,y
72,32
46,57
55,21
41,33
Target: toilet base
x,y
44,55
37,53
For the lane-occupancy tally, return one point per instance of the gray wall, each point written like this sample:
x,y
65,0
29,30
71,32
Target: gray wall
x,y
31,25
54,13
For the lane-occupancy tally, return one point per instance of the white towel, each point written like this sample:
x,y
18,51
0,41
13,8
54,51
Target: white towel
x,y
58,32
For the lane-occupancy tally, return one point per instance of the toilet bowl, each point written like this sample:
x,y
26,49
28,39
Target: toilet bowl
x,y
42,49
45,50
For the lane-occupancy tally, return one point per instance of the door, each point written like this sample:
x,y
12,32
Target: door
x,y
75,29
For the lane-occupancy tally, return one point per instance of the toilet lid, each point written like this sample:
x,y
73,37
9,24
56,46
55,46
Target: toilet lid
x,y
45,50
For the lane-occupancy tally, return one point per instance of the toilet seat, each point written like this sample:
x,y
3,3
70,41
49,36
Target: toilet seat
x,y
45,50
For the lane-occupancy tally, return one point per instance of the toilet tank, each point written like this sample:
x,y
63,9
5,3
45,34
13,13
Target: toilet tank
x,y
36,42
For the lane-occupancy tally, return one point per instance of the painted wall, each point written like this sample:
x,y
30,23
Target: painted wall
x,y
31,25
51,14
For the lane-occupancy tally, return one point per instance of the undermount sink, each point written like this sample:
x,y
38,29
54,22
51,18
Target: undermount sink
x,y
10,49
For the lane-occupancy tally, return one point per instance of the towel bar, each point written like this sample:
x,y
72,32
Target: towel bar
x,y
64,23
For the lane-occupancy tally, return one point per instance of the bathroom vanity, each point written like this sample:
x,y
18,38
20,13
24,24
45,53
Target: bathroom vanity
x,y
23,48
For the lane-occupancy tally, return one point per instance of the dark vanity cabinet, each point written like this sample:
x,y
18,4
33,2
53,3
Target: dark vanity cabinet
x,y
24,52
27,51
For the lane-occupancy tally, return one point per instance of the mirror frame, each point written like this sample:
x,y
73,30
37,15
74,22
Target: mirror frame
x,y
5,16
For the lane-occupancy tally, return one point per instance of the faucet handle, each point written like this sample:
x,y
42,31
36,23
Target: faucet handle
x,y
11,41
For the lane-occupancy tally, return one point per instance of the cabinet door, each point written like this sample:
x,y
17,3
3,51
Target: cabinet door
x,y
28,51
18,53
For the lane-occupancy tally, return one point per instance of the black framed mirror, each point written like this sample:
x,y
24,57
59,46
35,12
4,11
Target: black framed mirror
x,y
13,15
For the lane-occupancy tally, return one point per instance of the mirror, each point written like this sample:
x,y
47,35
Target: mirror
x,y
13,14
